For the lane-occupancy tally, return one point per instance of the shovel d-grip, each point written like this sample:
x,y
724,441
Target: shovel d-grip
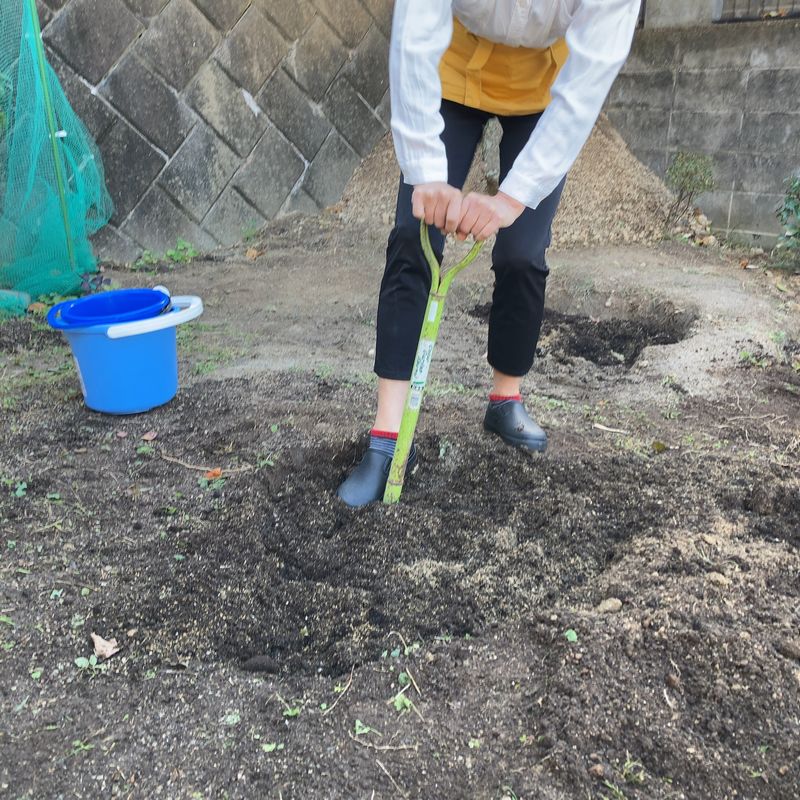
x,y
441,279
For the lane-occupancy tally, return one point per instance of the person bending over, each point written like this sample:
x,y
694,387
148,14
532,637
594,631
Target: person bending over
x,y
543,68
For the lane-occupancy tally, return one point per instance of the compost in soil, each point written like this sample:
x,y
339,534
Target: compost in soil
x,y
615,618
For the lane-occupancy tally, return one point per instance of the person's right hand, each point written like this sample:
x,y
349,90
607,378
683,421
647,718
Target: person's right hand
x,y
438,204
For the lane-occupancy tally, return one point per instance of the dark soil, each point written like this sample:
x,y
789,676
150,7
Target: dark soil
x,y
778,374
229,599
616,620
606,343
21,334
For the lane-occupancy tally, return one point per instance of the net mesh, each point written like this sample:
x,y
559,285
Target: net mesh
x,y
53,195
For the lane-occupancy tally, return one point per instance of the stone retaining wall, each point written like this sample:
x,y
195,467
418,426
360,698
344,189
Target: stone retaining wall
x,y
731,91
214,116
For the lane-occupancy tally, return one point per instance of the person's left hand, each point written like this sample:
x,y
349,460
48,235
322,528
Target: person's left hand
x,y
482,215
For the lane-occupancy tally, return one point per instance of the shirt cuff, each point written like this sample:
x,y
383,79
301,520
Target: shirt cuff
x,y
525,192
428,171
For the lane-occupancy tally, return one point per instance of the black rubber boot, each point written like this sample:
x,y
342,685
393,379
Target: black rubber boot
x,y
510,421
367,482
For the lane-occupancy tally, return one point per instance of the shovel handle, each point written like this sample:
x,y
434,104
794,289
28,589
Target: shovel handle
x,y
442,278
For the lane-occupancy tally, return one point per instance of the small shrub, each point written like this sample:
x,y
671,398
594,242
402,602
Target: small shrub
x,y
146,260
182,253
787,250
689,175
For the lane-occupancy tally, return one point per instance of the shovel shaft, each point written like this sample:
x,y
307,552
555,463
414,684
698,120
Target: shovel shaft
x,y
440,284
419,380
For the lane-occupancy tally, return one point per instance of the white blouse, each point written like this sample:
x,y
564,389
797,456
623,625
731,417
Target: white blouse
x,y
598,33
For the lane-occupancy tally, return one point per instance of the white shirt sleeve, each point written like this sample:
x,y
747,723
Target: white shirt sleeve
x,y
599,40
421,32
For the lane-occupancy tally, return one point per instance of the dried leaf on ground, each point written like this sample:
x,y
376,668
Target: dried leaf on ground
x,y
149,436
104,648
213,474
718,579
611,605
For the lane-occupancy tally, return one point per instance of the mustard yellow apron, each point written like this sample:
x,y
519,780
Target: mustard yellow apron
x,y
497,78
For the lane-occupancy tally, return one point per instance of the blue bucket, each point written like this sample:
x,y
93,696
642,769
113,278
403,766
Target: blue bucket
x,y
120,305
127,367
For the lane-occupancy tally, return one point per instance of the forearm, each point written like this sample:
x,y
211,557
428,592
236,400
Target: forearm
x,y
421,32
599,40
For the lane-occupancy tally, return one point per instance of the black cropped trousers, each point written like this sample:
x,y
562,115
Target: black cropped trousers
x,y
518,258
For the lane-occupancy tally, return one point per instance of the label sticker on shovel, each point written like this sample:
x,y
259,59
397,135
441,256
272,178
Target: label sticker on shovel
x,y
422,363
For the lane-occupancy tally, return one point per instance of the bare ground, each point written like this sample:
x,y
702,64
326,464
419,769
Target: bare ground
x,y
269,635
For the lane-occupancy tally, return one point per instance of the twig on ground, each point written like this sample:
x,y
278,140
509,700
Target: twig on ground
x,y
97,733
57,525
400,637
775,417
342,693
389,776
365,743
198,468
280,699
600,427
411,678
79,503
121,774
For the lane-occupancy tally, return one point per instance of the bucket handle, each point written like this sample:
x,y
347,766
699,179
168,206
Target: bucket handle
x,y
189,308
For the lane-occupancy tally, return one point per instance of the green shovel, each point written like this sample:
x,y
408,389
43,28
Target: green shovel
x,y
440,284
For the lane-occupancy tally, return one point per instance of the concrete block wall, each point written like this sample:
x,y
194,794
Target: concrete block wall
x,y
680,13
731,91
214,116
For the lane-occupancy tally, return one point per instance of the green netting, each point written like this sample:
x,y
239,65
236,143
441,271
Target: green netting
x,y
51,176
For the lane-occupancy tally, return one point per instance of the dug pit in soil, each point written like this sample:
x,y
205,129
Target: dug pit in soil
x,y
605,342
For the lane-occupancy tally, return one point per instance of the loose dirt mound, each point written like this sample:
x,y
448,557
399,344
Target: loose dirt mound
x,y
617,618
610,197
268,573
